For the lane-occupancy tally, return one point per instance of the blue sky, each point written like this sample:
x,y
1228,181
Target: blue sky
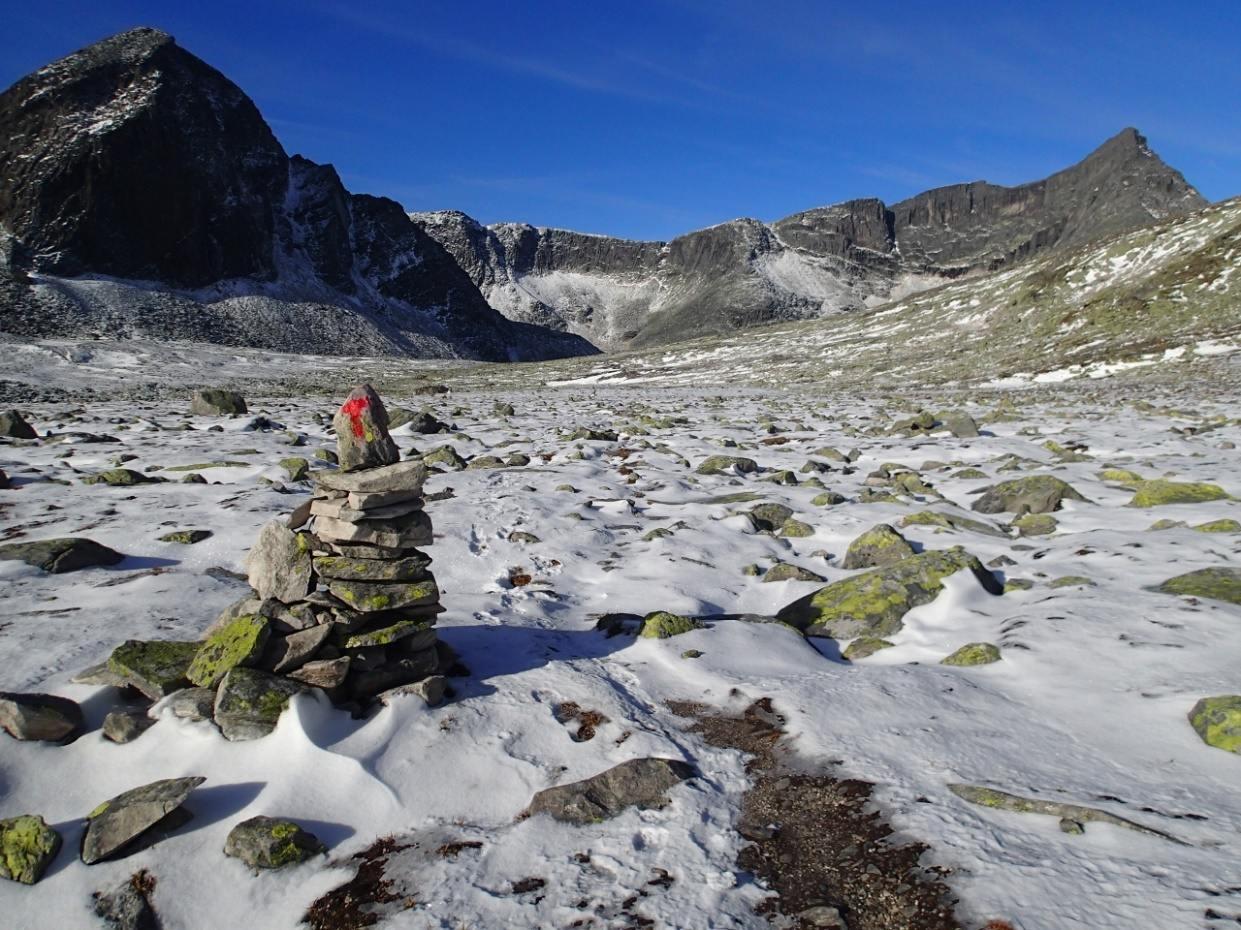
x,y
650,118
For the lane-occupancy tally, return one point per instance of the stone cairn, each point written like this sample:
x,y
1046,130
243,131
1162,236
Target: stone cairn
x,y
343,600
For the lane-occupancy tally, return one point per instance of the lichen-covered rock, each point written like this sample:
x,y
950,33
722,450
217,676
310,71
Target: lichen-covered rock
x,y
445,456
880,545
186,537
586,434
14,426
784,477
413,567
122,478
271,843
1121,476
155,667
249,702
641,783
952,521
795,529
828,499
116,823
125,726
297,468
785,571
973,654
371,598
1160,492
1219,584
61,555
407,532
726,464
239,644
1071,581
770,516
1219,526
1033,494
1218,721
214,402
280,563
661,625
865,646
28,845
872,603
362,438
44,717
1036,524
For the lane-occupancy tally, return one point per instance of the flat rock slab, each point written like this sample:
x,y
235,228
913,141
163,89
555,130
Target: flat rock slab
x,y
401,533
280,563
639,783
874,602
28,845
14,426
342,568
403,476
395,672
339,509
371,598
250,702
46,717
389,633
155,667
270,843
240,643
117,823
61,555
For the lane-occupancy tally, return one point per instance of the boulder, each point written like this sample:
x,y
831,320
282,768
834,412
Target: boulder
x,y
726,464
951,521
61,555
214,402
271,843
280,563
1033,494
44,717
878,546
122,478
973,654
155,667
1218,584
186,537
961,425
641,783
865,646
1218,721
249,702
362,438
14,426
662,625
1158,493
874,602
116,824
28,845
240,643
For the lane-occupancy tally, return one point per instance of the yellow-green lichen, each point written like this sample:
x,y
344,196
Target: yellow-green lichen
x,y
1160,492
239,643
1218,721
973,654
662,625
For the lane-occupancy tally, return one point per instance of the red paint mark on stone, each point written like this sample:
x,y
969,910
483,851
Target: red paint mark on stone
x,y
353,409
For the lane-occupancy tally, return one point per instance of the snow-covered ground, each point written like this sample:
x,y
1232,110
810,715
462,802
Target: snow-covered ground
x,y
1088,705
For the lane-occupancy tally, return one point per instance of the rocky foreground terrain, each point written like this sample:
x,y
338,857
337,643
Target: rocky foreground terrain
x,y
1027,719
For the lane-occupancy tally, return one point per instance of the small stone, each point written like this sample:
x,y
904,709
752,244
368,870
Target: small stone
x,y
430,690
973,654
340,509
297,467
824,916
726,464
270,843
641,783
865,646
407,532
122,478
1159,493
156,668
662,625
125,726
45,717
323,673
186,537
1035,494
518,536
787,572
249,702
828,499
284,654
402,476
28,845
126,907
115,824
370,598
1071,581
192,704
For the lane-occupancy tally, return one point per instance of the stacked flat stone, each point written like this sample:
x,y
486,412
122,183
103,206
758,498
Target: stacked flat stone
x,y
343,600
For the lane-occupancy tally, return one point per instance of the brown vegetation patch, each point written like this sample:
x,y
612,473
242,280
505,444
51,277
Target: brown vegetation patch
x,y
342,907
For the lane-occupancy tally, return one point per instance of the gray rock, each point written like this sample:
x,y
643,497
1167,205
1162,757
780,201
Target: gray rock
x,y
240,643
362,438
280,564
369,598
126,907
413,567
14,426
962,426
246,605
770,516
270,843
192,704
285,654
28,845
726,464
249,702
340,509
156,668
880,545
787,572
323,673
45,717
639,783
403,476
405,532
99,675
430,690
402,670
117,823
61,555
213,402
125,726
1032,494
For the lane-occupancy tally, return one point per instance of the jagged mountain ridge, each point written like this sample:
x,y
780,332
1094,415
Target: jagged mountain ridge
x,y
142,193
623,293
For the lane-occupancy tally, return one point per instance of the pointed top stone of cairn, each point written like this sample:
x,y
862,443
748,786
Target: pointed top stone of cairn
x,y
362,438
